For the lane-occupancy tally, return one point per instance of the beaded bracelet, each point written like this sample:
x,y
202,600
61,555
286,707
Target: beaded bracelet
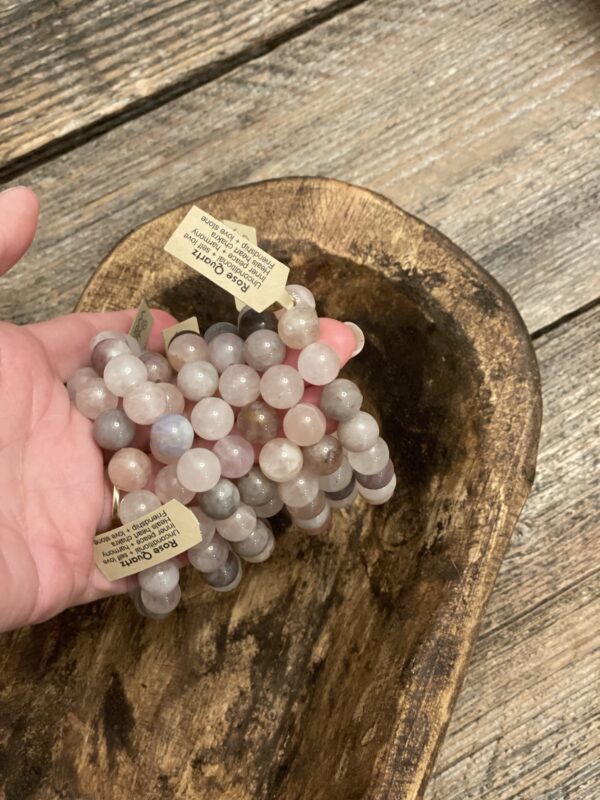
x,y
236,424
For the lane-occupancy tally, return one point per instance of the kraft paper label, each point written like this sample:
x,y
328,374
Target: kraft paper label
x,y
157,536
229,260
142,325
247,232
190,324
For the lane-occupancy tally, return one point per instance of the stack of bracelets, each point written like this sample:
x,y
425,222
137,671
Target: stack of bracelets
x,y
234,424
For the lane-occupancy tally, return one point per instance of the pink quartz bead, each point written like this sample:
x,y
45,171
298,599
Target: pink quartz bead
x,y
358,433
185,348
376,497
298,326
312,394
212,418
317,524
301,295
318,364
123,373
280,460
129,469
174,397
107,349
310,510
339,336
197,379
167,486
136,505
239,525
299,491
239,385
210,555
158,368
281,386
236,456
304,424
94,397
224,350
145,403
78,379
263,349
198,470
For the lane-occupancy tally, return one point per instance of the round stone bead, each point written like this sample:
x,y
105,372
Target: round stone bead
x,y
197,379
251,321
129,469
94,397
301,295
304,424
185,348
171,436
346,501
106,350
207,525
162,605
371,461
270,508
235,454
338,479
239,385
221,501
113,429
198,470
78,379
316,524
300,490
209,556
174,397
137,504
158,368
219,327
258,422
298,326
281,386
264,349
239,525
265,553
310,510
167,486
145,403
124,373
227,577
160,579
359,433
224,350
378,479
345,491
255,488
325,456
212,418
280,460
376,497
318,364
341,400
132,343
253,544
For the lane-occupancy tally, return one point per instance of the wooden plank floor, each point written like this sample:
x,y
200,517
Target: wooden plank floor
x,y
478,116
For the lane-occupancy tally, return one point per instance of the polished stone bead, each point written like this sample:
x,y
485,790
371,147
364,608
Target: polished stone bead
x,y
208,556
270,508
227,577
160,579
145,403
174,397
198,470
298,326
265,553
167,486
300,490
78,379
264,349
280,460
162,605
133,344
341,400
310,510
258,422
301,295
207,525
235,454
359,433
159,369
316,524
371,461
239,525
346,501
184,348
251,321
137,504
253,544
221,501
224,350
171,436
123,373
281,386
304,424
106,350
338,479
378,479
197,379
94,397
318,364
212,418
113,429
325,456
376,497
345,491
129,469
239,385
219,327
255,488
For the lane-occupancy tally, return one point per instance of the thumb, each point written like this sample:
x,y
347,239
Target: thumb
x,y
19,208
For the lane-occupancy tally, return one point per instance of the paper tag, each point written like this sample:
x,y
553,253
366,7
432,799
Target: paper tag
x,y
248,233
190,324
216,251
162,534
142,325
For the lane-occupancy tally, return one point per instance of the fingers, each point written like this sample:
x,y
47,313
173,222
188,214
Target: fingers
x,y
19,208
67,339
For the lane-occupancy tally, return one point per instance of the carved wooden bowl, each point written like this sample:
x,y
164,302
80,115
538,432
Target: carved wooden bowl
x,y
331,673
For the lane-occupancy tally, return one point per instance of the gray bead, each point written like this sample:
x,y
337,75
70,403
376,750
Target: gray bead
x,y
342,493
221,501
227,576
171,435
113,429
378,480
251,321
341,399
218,327
159,369
255,488
255,543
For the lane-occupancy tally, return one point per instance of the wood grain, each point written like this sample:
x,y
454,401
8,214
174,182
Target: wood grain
x,y
494,143
526,723
331,673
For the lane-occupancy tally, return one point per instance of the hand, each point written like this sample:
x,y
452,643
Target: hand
x,y
52,488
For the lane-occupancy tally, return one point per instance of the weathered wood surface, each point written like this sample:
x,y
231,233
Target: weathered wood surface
x,y
495,143
332,671
73,66
526,723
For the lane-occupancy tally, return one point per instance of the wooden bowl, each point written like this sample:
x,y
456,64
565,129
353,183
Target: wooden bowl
x,y
331,673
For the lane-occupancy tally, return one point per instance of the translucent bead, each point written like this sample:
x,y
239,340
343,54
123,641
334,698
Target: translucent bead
x,y
299,490
346,501
227,577
171,436
221,501
224,350
270,508
251,321
301,295
113,429
258,422
318,364
162,605
160,579
343,492
310,510
124,373
212,418
239,525
209,556
132,343
167,486
174,397
198,470
219,327
185,348
255,488
378,479
341,400
280,460
239,385
235,454
158,368
145,403
265,553
298,326
264,349
281,386
136,504
129,469
198,379
376,497
338,479
253,544
106,350
94,397
78,379
316,524
359,433
371,461
207,525
101,336
325,456
304,424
